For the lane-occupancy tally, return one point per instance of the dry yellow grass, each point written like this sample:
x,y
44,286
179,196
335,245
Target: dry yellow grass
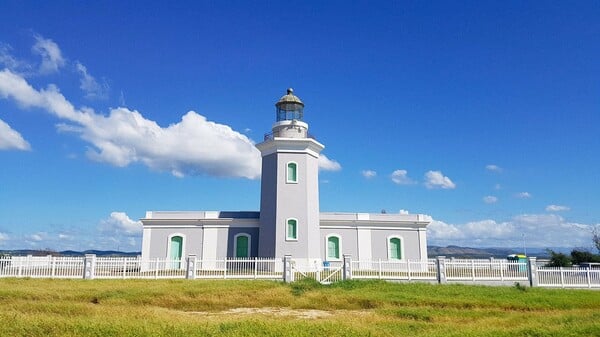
x,y
31,307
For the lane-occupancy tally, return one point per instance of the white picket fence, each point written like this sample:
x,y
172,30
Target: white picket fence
x,y
568,277
486,270
454,270
407,270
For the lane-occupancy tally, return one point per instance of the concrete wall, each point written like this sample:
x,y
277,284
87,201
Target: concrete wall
x,y
159,243
410,241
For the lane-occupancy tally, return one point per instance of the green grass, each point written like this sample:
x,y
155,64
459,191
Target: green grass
x,y
34,307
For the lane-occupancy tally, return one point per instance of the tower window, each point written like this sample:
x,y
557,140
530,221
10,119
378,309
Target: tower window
x,y
291,232
292,172
333,247
395,248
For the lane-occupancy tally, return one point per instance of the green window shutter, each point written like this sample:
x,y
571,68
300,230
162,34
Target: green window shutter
x,y
292,229
395,247
333,247
292,174
176,248
241,246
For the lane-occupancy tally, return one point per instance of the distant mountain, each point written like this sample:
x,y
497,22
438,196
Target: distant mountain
x,y
484,253
25,252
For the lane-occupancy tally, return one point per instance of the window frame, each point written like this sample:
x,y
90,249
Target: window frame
x,y
340,255
235,245
287,229
388,247
287,172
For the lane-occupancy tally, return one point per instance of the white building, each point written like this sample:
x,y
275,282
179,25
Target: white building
x,y
289,221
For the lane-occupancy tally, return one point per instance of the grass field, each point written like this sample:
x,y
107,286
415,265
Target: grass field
x,y
35,307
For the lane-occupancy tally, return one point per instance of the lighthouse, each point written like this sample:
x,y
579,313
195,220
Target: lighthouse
x,y
289,204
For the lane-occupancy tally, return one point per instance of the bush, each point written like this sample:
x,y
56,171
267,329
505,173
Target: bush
x,y
558,260
579,257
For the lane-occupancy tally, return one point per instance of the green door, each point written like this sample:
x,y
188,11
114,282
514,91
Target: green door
x,y
241,246
176,250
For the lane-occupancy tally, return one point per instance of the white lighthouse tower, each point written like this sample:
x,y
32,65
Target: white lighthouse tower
x,y
289,205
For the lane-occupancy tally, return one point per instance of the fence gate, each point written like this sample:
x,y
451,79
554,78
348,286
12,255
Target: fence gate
x,y
325,274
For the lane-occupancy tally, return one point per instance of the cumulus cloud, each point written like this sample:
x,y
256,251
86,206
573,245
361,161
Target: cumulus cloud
x,y
119,223
538,230
493,168
435,179
403,211
11,139
523,195
89,85
37,237
368,174
490,199
193,146
400,177
48,50
326,164
557,208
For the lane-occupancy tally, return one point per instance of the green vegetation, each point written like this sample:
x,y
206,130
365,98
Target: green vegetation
x,y
36,307
577,257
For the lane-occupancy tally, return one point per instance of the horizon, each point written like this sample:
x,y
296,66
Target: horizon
x,y
483,116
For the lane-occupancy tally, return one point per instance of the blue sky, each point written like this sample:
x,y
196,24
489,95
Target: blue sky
x,y
483,115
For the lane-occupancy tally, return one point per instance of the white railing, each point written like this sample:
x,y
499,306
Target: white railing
x,y
42,267
134,267
272,268
395,270
486,270
568,277
251,268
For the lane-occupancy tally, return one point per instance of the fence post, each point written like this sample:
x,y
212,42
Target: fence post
x,y
190,267
532,272
89,266
287,269
347,267
589,281
441,269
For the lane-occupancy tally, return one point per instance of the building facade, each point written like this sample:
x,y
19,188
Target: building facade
x,y
289,221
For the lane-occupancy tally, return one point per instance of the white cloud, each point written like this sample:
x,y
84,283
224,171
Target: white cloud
x,y
11,139
523,195
368,174
400,177
326,164
493,168
52,59
4,237
120,224
194,146
10,62
497,187
63,236
403,211
435,179
556,208
37,237
89,85
490,199
538,230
